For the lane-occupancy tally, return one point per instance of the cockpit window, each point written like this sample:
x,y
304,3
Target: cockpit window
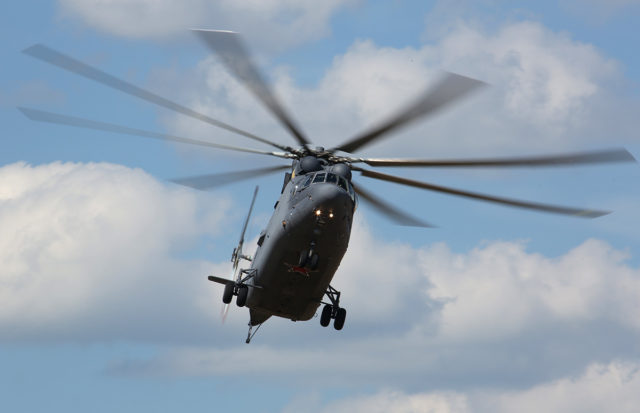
x,y
352,193
331,179
342,183
319,178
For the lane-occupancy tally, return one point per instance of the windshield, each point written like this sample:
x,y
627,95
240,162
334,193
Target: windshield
x,y
324,177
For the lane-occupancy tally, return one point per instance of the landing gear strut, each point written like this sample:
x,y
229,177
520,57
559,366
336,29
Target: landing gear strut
x,y
309,258
238,288
333,310
252,333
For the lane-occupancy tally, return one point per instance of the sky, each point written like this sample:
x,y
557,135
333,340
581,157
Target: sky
x,y
104,302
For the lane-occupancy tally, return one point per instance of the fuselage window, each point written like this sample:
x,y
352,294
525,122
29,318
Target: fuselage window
x,y
319,178
307,181
331,178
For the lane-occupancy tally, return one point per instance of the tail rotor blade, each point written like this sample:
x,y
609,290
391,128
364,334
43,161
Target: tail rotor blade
x,y
224,312
237,253
246,221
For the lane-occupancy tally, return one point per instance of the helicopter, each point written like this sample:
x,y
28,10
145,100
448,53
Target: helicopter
x,y
308,234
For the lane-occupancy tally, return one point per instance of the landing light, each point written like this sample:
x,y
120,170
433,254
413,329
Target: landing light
x,y
330,214
318,212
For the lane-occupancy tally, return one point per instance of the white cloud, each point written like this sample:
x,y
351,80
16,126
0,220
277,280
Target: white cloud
x,y
137,18
548,91
549,76
496,314
608,387
601,388
397,402
501,281
274,24
498,290
87,251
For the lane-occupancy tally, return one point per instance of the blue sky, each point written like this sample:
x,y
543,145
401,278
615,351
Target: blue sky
x,y
104,303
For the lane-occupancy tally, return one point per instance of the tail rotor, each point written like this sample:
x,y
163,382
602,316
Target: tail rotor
x,y
238,254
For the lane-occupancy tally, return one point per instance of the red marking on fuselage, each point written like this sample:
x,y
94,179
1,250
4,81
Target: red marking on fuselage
x,y
299,270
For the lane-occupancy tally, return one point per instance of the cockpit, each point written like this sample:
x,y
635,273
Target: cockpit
x,y
328,177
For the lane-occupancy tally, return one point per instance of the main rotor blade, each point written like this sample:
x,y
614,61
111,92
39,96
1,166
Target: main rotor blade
x,y
579,212
70,64
50,117
389,211
578,158
449,89
229,46
204,182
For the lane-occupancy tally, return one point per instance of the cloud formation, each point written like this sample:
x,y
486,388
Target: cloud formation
x,y
496,314
547,91
90,251
275,24
602,387
80,238
101,253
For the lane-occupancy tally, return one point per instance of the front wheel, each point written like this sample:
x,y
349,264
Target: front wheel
x,y
303,258
313,262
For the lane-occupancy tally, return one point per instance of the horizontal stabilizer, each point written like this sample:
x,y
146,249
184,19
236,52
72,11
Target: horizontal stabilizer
x,y
219,280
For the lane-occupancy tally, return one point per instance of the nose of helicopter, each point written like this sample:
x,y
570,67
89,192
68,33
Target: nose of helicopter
x,y
329,203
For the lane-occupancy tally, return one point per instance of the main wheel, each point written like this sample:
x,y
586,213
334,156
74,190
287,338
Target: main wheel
x,y
341,315
243,291
325,317
227,295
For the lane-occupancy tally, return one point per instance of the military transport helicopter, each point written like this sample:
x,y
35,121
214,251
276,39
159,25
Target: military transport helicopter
x,y
301,248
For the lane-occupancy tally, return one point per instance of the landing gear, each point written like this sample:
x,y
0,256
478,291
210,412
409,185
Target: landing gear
x,y
333,310
238,288
227,296
341,315
304,257
325,317
243,292
313,262
309,258
252,333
